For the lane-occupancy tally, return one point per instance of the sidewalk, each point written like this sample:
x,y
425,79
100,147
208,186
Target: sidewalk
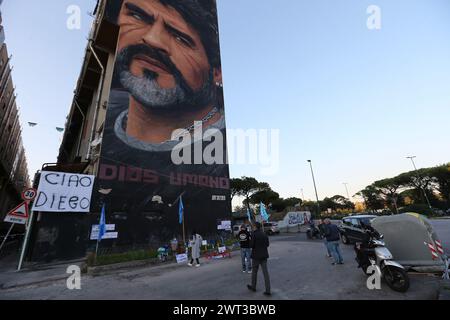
x,y
31,275
39,274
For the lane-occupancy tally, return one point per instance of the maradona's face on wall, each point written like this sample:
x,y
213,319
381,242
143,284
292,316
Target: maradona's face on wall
x,y
162,58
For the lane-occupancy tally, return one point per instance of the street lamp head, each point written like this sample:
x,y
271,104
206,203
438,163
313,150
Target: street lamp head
x,y
309,160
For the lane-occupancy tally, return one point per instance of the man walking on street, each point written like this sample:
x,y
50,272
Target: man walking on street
x,y
332,236
246,251
259,244
322,227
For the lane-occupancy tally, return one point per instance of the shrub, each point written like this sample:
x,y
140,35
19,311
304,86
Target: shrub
x,y
122,257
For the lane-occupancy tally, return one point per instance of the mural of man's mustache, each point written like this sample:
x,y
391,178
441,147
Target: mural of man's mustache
x,y
147,91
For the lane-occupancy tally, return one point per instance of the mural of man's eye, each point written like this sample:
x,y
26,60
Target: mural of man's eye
x,y
137,16
182,40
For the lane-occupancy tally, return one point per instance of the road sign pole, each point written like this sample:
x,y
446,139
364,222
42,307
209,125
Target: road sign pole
x,y
25,241
7,235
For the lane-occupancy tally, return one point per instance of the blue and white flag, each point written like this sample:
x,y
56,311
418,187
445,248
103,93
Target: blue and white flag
x,y
102,226
181,211
264,214
248,215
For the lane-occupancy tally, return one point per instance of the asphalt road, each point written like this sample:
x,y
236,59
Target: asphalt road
x,y
298,268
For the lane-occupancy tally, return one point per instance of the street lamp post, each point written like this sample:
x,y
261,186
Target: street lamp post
x,y
315,188
417,174
346,189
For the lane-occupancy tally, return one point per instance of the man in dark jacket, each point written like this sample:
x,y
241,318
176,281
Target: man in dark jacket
x,y
246,250
322,227
259,244
332,235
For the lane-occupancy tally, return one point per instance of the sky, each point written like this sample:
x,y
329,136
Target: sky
x,y
355,101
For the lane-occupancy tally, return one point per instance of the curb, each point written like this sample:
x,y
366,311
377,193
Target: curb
x,y
32,284
43,279
101,270
92,271
155,262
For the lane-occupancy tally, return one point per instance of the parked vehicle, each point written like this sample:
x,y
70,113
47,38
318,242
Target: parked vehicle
x,y
236,229
413,241
163,253
372,251
351,228
271,228
313,232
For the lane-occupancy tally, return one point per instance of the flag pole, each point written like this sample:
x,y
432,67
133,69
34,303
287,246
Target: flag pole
x,y
184,232
261,208
99,237
181,216
96,250
96,247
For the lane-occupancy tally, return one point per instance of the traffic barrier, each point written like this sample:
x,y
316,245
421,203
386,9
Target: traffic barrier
x,y
439,247
433,250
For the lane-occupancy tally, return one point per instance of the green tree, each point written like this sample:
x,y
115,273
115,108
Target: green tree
x,y
293,201
246,187
441,178
279,205
341,202
372,198
235,186
389,190
266,196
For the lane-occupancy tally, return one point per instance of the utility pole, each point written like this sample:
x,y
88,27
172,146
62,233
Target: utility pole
x,y
418,177
315,188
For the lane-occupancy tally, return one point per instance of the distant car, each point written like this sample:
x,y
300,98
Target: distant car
x,y
271,228
351,228
236,229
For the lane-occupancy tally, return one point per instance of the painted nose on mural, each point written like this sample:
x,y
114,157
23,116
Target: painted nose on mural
x,y
156,37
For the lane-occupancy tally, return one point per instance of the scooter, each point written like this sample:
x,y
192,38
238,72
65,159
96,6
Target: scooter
x,y
313,232
373,252
163,253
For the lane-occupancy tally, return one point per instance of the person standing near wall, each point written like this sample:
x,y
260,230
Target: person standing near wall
x,y
246,251
259,244
196,243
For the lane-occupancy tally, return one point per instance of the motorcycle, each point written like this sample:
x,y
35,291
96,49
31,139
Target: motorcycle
x,y
163,253
313,232
373,252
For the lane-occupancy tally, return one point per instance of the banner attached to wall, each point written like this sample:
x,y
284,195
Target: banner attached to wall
x,y
224,225
164,133
63,192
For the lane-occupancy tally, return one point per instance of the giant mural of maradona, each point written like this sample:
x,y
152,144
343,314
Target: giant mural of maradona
x,y
165,112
